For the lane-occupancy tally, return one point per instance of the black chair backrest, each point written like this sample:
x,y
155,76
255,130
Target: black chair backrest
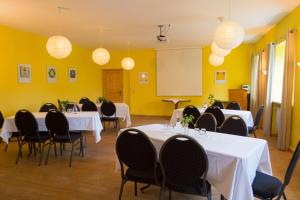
x,y
26,123
258,116
108,108
83,100
191,110
207,121
1,120
57,123
47,106
292,165
89,106
233,106
217,113
183,161
218,103
135,150
234,125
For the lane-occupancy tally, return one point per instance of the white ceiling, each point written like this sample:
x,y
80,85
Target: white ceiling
x,y
114,23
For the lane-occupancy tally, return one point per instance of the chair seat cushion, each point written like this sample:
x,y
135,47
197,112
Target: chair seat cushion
x,y
146,176
196,189
64,138
266,186
44,136
109,118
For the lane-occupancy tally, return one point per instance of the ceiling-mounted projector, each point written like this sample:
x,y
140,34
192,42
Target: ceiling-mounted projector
x,y
163,30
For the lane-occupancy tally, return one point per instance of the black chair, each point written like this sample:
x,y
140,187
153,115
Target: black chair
x,y
234,125
135,151
1,123
217,113
108,113
60,107
72,106
191,110
265,186
233,106
218,103
47,106
83,100
58,126
184,166
256,121
207,121
89,106
28,127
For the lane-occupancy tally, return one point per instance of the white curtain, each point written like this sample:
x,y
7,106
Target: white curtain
x,y
285,125
254,83
268,103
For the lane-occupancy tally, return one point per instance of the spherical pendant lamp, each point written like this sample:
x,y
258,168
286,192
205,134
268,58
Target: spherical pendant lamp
x,y
59,46
127,63
215,60
101,56
216,50
229,35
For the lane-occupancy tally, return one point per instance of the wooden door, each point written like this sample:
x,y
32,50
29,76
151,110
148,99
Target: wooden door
x,y
240,96
113,84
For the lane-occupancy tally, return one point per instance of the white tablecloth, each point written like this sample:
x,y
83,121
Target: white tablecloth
x,y
122,111
233,160
87,121
244,114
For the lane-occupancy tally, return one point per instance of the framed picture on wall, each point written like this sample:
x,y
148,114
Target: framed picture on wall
x,y
51,74
24,73
220,77
143,77
72,74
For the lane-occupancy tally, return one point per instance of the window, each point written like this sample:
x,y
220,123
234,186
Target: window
x,y
277,79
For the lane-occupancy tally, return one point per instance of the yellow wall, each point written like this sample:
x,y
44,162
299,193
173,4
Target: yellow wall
x,y
143,99
276,34
26,48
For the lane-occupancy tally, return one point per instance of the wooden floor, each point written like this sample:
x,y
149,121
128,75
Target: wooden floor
x,y
94,176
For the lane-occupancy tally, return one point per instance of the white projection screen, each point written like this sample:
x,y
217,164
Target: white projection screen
x,y
179,72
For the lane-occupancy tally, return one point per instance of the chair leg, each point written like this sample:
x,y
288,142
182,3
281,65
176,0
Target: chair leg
x,y
170,194
5,147
54,149
121,189
61,148
284,197
222,197
19,153
71,156
81,146
46,161
254,134
161,193
135,189
144,188
41,154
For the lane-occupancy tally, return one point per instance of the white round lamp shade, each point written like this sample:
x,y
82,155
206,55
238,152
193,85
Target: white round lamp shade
x,y
127,63
59,46
229,35
216,50
101,56
215,60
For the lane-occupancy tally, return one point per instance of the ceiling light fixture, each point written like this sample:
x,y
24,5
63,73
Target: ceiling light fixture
x,y
59,46
101,56
128,63
215,60
215,49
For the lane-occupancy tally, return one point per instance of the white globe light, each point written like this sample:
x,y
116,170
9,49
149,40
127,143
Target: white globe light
x,y
215,60
127,63
216,50
229,35
101,56
59,46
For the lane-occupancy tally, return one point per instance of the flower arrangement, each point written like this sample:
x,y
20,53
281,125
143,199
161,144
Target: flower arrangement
x,y
102,99
186,120
211,99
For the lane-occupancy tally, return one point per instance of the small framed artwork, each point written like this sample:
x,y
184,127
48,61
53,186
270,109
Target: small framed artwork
x,y
51,74
72,74
24,73
220,77
143,77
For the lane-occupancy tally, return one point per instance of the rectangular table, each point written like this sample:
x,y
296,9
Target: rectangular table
x,y
244,114
122,111
85,121
233,160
